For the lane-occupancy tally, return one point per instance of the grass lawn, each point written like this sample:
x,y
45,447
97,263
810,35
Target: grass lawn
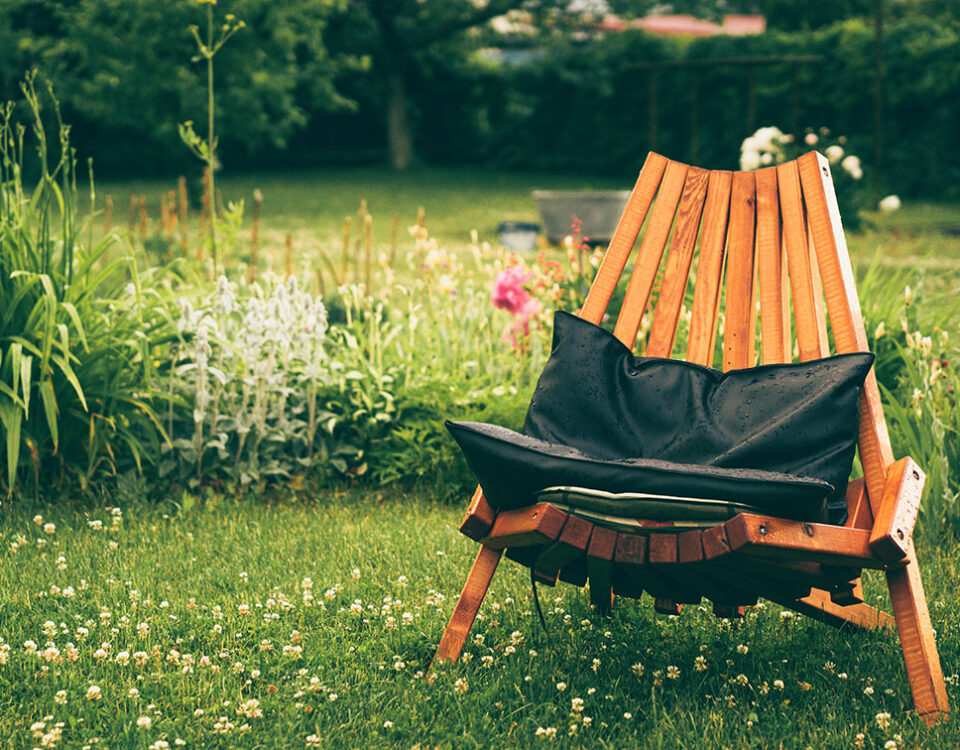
x,y
456,200
255,625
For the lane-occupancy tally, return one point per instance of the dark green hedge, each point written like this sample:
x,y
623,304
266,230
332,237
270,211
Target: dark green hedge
x,y
587,107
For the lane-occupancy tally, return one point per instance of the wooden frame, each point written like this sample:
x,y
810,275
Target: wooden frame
x,y
773,236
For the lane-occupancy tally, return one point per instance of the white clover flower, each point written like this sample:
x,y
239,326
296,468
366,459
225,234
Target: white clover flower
x,y
144,722
94,693
811,139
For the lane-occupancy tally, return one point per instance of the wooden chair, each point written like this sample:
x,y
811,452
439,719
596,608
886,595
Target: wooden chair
x,y
777,234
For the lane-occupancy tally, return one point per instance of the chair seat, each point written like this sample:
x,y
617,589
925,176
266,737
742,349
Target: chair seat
x,y
733,562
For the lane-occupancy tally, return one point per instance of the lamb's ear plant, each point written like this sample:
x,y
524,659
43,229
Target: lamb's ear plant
x,y
76,332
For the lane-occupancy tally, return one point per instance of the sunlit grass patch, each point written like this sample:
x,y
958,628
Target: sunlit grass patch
x,y
240,624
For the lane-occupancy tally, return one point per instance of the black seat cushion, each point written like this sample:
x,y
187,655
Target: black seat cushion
x,y
514,468
598,399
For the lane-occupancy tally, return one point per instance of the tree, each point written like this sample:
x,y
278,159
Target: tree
x,y
393,33
124,73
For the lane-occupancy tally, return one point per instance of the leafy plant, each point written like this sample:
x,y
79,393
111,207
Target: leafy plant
x,y
76,330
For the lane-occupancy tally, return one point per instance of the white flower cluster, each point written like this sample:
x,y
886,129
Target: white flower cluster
x,y
763,148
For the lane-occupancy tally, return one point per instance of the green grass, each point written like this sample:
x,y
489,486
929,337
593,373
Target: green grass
x,y
359,680
456,200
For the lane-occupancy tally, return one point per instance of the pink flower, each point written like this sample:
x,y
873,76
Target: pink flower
x,y
508,292
520,331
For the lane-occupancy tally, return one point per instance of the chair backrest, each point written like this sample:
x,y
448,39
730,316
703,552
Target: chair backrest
x,y
772,236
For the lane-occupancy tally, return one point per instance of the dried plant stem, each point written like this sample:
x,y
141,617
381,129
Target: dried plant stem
x,y
394,228
368,242
108,214
143,218
345,261
182,200
254,237
288,257
330,267
132,217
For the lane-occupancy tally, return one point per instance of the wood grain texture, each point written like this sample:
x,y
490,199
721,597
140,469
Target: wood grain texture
x,y
651,253
823,217
706,292
918,642
479,519
465,612
523,527
774,341
767,536
603,544
677,270
797,249
570,545
819,606
739,307
624,237
891,536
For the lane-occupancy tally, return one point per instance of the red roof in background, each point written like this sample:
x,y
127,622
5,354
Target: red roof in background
x,y
686,25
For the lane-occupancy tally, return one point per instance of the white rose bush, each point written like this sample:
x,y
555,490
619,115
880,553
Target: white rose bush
x,y
769,146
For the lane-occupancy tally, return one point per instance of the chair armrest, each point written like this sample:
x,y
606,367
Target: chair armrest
x,y
893,525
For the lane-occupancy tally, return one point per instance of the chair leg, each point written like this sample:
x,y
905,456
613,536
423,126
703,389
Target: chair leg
x,y
474,590
917,640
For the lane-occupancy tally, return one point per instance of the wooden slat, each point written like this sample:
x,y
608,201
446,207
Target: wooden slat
x,y
478,581
479,519
892,532
738,320
651,252
631,571
677,271
603,543
819,606
706,293
770,270
846,319
570,545
624,238
798,261
818,302
766,536
535,524
859,515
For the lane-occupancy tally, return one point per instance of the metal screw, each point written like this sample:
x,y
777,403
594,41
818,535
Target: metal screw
x,y
808,529
916,474
534,515
763,530
900,533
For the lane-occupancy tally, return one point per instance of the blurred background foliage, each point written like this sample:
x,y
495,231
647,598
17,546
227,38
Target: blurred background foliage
x,y
348,81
